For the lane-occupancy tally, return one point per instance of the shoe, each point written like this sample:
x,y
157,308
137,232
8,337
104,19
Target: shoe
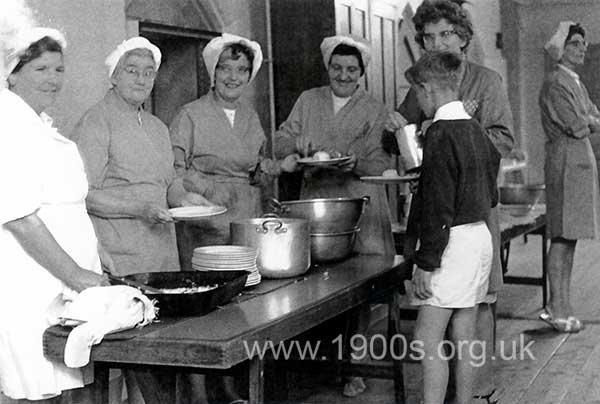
x,y
488,398
239,401
355,386
570,324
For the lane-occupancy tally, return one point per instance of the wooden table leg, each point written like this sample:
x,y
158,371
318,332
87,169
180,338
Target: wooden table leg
x,y
256,380
101,382
544,268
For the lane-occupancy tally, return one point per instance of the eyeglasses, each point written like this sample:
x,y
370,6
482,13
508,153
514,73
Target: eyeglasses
x,y
444,35
149,74
229,69
577,43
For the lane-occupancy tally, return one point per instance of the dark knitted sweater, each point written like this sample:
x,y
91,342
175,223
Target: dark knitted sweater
x,y
457,185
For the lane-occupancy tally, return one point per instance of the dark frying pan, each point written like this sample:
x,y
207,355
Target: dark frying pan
x,y
229,284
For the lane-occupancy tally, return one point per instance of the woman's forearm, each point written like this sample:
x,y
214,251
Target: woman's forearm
x,y
39,244
113,204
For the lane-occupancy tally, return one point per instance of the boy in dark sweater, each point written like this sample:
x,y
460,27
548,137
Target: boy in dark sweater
x,y
456,190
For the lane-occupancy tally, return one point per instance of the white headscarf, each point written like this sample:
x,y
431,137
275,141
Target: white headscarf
x,y
556,45
28,37
215,47
130,44
361,44
15,19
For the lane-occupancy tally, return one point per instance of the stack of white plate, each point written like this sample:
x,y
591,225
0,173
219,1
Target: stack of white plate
x,y
227,258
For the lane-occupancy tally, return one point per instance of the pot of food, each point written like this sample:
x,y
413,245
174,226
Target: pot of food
x,y
190,293
283,244
325,215
329,247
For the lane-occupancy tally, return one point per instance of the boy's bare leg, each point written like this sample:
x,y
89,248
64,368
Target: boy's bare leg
x,y
429,333
463,334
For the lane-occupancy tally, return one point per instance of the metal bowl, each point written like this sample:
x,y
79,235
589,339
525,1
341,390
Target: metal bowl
x,y
324,215
521,194
333,246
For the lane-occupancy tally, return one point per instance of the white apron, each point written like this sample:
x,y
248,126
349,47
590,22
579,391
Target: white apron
x,y
39,170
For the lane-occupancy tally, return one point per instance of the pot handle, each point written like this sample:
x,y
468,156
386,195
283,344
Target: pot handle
x,y
278,229
275,205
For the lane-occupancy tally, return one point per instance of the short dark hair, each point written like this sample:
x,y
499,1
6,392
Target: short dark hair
x,y
238,49
441,68
36,49
574,30
433,11
347,50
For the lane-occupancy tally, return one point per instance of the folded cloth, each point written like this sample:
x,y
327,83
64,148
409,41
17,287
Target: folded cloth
x,y
102,310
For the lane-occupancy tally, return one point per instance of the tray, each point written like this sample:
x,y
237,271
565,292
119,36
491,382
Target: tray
x,y
230,283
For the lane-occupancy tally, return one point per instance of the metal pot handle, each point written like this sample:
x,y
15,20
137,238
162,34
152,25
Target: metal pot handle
x,y
278,230
275,205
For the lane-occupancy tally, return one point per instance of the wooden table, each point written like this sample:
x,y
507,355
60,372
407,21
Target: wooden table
x,y
513,227
220,339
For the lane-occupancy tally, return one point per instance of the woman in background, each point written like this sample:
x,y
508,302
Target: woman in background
x,y
569,119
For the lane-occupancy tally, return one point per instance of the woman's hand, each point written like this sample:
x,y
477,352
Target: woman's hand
x,y
108,265
304,146
155,214
349,164
422,281
394,122
290,163
194,199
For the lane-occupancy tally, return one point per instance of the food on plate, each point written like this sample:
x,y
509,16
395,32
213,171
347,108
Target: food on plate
x,y
391,172
188,290
321,156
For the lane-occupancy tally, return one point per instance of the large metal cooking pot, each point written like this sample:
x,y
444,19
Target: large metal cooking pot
x,y
332,246
283,244
521,194
325,215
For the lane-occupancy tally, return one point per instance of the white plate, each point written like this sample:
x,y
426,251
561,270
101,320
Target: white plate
x,y
196,212
391,180
309,161
218,251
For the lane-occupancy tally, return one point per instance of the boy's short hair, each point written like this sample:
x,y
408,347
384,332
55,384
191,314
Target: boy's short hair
x,y
441,68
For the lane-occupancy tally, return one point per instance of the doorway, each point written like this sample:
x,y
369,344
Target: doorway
x,y
182,76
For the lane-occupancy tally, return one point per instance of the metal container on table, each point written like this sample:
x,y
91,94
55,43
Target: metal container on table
x,y
325,215
330,247
283,244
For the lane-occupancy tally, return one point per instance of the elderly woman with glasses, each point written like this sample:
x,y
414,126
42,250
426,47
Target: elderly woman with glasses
x,y
48,244
129,163
570,120
443,25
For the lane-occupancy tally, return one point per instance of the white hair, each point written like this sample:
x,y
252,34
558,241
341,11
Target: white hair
x,y
15,19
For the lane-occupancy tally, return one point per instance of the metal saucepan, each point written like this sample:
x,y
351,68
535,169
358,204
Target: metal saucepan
x,y
283,244
325,215
332,246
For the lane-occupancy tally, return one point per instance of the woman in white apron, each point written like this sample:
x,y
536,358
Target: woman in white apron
x,y
47,240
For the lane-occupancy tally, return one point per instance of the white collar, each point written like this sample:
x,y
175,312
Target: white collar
x,y
451,111
569,71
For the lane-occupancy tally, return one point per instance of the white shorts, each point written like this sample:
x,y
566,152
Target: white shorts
x,y
462,280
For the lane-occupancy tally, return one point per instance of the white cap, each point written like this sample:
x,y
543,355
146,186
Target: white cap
x,y
28,37
556,45
215,47
361,44
130,44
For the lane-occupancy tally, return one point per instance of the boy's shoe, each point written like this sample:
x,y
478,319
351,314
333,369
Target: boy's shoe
x,y
354,387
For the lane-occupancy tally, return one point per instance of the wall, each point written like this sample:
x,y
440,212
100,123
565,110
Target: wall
x,y
528,25
92,30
